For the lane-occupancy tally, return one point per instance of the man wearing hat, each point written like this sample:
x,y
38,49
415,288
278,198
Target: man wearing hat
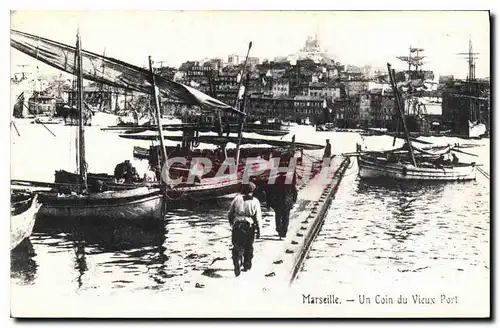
x,y
244,216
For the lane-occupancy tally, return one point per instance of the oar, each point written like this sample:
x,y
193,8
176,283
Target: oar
x,y
38,121
463,152
41,122
485,174
396,136
15,127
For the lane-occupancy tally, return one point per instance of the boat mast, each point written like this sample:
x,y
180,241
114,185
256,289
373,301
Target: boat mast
x,y
156,105
392,77
242,119
101,100
81,128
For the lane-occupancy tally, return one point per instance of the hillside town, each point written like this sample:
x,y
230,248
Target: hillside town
x,y
307,87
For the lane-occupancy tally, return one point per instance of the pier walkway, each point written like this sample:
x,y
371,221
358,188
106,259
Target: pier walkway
x,y
276,262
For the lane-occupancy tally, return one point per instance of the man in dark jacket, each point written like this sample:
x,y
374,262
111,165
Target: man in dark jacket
x,y
125,172
281,197
328,149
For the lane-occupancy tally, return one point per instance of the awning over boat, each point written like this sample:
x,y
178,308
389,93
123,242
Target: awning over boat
x,y
110,71
216,140
185,127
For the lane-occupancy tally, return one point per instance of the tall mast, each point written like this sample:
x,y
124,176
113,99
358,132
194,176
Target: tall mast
x,y
392,76
101,100
81,128
156,105
242,119
471,57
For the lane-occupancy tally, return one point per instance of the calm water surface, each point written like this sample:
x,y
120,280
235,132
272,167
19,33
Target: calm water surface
x,y
395,231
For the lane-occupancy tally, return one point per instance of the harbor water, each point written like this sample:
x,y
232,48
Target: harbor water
x,y
402,233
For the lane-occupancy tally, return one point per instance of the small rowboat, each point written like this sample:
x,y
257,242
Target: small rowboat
x,y
23,216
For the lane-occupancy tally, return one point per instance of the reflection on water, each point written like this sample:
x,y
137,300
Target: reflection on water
x,y
22,263
391,230
81,257
398,229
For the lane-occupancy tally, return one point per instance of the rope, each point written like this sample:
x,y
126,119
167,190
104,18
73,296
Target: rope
x,y
483,172
174,198
312,158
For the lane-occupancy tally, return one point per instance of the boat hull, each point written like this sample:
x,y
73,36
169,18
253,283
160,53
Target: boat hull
x,y
374,168
211,188
142,204
21,225
204,191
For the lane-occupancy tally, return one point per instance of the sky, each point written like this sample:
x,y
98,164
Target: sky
x,y
356,38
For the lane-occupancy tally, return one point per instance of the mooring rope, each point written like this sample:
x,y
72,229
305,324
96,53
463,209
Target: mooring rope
x,y
483,172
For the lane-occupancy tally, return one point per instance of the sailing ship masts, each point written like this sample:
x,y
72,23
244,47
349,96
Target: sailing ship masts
x,y
392,77
81,129
156,105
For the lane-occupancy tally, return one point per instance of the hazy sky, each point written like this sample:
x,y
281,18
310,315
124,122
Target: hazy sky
x,y
356,38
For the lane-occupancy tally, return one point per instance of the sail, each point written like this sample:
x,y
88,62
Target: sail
x,y
116,73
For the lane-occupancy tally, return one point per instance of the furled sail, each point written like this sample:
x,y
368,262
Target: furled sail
x,y
115,73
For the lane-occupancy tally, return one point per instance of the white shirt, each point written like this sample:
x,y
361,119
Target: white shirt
x,y
245,210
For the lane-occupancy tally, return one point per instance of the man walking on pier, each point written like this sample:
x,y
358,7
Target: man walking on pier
x,y
328,149
244,216
281,197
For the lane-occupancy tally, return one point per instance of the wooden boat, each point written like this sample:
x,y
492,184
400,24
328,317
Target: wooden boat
x,y
206,188
372,166
217,159
410,162
140,203
147,153
24,211
136,202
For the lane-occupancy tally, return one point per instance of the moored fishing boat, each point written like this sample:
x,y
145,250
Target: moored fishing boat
x,y
24,209
80,198
206,188
137,204
97,196
410,162
372,166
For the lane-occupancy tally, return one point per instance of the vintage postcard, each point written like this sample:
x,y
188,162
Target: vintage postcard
x,y
242,164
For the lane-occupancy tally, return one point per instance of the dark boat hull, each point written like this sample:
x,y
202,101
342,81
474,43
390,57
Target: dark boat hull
x,y
138,204
210,188
204,191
